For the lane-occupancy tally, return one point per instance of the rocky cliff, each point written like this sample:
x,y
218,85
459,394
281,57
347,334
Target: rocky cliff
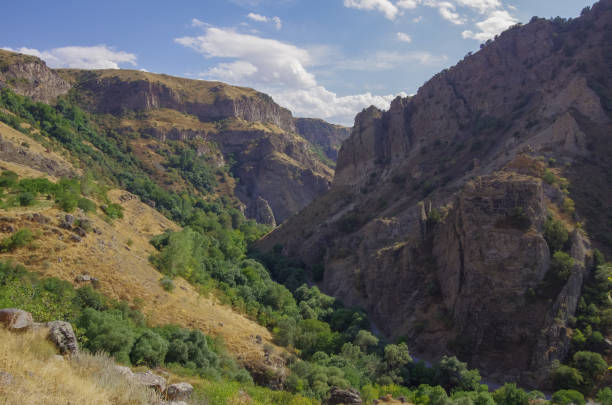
x,y
279,171
435,220
29,76
327,136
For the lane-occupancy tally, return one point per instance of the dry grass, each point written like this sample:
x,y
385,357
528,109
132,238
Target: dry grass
x,y
38,377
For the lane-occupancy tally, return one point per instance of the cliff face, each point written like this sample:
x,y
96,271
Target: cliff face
x,y
327,136
115,92
29,76
435,219
279,171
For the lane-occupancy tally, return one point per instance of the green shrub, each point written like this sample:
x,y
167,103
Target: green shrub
x,y
591,366
108,331
86,205
566,377
567,397
562,265
8,179
21,238
555,234
113,211
510,394
149,349
26,198
604,396
167,284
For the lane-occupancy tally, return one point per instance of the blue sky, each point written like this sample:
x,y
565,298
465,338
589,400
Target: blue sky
x,y
320,58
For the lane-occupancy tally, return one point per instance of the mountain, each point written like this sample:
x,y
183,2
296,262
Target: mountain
x,y
450,214
276,158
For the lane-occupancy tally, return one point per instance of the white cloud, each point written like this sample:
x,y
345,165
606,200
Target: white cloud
x,y
385,60
385,6
280,69
496,22
257,17
446,10
197,23
278,24
481,5
82,57
417,20
409,4
320,102
403,37
276,62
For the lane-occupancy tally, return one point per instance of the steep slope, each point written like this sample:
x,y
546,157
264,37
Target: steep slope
x,y
30,76
278,171
117,254
327,136
437,222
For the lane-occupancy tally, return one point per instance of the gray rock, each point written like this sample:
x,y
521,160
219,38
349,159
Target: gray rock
x,y
125,371
62,335
339,396
80,231
178,392
75,238
83,278
5,378
151,380
16,319
69,219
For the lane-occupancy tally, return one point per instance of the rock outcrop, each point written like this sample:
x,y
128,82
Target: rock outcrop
x,y
339,396
62,335
435,220
16,319
327,136
29,76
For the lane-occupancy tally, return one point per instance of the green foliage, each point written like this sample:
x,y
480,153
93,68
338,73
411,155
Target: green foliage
x,y
604,396
510,394
562,265
21,238
167,284
566,377
26,198
555,234
453,374
113,211
149,349
195,169
567,397
86,204
591,365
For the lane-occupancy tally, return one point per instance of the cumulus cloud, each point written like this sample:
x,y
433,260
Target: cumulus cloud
x,y
389,9
496,15
403,37
281,69
408,4
496,22
278,24
82,57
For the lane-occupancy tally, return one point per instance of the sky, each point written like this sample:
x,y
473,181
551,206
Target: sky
x,y
326,59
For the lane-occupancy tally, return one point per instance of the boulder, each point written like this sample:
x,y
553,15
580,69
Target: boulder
x,y
125,371
339,396
151,380
16,319
62,335
5,378
178,392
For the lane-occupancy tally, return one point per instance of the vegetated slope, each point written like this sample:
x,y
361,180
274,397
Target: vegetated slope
x,y
327,136
161,118
117,254
449,213
279,171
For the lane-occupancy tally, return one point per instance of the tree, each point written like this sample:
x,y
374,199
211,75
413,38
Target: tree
x,y
566,377
604,396
149,349
591,365
510,394
365,340
567,397
454,374
555,234
562,265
